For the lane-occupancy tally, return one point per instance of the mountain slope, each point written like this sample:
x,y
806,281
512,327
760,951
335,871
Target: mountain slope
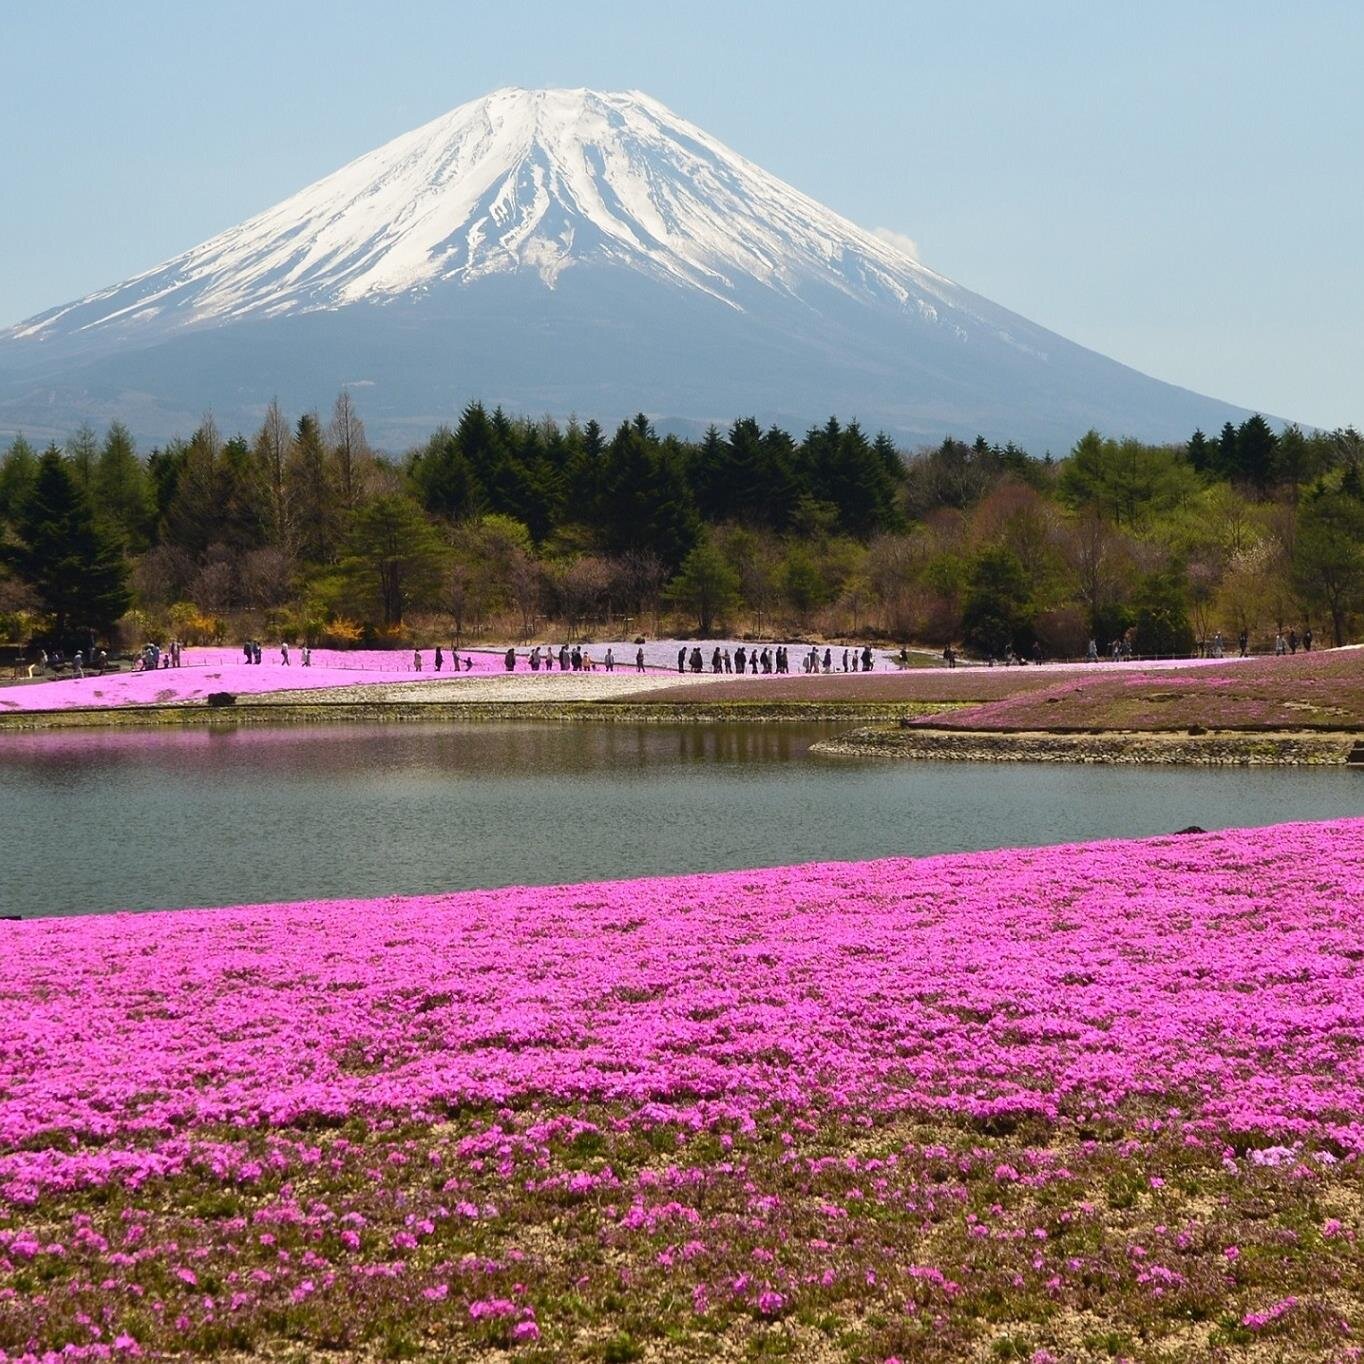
x,y
565,250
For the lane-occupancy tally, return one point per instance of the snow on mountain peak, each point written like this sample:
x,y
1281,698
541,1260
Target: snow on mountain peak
x,y
520,180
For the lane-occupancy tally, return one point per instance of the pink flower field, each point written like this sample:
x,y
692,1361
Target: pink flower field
x,y
1321,690
216,670
1046,1104
221,669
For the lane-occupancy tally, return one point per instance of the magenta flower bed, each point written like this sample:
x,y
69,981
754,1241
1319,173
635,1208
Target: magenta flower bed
x,y
173,686
1058,982
217,670
1321,690
1122,1079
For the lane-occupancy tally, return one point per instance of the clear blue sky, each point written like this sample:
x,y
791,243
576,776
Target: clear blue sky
x,y
1177,183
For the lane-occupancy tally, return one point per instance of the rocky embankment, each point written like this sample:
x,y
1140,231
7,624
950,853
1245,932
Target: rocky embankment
x,y
1223,749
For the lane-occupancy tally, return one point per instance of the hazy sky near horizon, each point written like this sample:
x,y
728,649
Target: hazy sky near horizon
x,y
1179,185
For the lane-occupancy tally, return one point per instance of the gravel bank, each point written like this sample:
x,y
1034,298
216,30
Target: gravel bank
x,y
1205,750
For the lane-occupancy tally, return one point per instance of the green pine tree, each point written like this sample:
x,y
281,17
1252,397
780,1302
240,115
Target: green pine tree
x,y
394,558
706,585
121,493
73,565
18,474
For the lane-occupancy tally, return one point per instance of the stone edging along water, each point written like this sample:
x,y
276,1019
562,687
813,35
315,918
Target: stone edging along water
x,y
369,712
1220,749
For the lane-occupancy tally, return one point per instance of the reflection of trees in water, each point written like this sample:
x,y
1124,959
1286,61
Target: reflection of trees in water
x,y
505,751
743,744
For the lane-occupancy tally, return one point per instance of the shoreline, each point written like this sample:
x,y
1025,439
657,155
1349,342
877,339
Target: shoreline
x,y
1222,748
404,711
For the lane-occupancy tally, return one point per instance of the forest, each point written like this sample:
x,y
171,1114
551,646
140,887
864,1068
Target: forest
x,y
506,528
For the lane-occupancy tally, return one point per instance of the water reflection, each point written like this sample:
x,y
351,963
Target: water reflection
x,y
103,819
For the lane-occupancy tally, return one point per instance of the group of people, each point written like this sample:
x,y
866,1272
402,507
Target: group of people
x,y
1120,650
1288,643
772,659
154,656
576,659
56,662
456,662
251,652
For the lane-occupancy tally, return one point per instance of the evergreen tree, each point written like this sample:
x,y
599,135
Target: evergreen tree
x,y
646,503
74,567
244,522
708,475
706,585
313,498
18,474
83,452
444,480
1255,451
585,470
1160,610
121,492
803,583
1200,453
1228,458
163,477
394,558
195,507
1328,557
997,613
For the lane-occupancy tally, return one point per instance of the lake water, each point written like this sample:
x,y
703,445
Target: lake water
x,y
137,820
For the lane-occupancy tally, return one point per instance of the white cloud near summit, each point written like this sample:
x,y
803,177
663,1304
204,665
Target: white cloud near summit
x,y
899,240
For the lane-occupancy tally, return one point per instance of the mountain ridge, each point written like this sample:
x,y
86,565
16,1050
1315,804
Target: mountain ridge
x,y
633,229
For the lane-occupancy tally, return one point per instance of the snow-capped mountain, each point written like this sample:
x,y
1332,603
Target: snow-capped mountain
x,y
564,250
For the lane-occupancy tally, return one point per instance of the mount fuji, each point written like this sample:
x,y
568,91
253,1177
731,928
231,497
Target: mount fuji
x,y
566,251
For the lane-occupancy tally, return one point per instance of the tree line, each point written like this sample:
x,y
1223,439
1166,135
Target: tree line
x,y
504,526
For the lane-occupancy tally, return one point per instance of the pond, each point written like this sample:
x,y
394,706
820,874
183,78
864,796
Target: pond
x,y
92,822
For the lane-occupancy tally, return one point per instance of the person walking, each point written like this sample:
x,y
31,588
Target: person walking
x,y
416,660
682,659
1307,640
1292,639
510,660
740,659
639,659
284,652
440,658
1243,641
